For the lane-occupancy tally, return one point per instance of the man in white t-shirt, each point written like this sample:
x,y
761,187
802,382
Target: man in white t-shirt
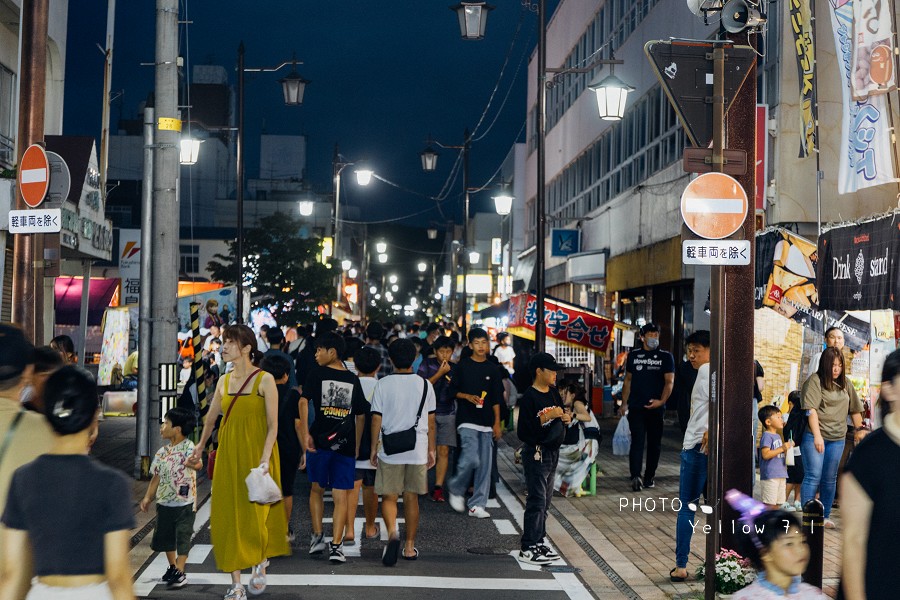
x,y
693,452
396,406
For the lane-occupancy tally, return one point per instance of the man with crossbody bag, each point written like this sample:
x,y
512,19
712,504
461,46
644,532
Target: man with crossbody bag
x,y
406,448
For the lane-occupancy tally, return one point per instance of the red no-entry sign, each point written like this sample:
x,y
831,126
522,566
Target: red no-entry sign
x,y
34,176
714,206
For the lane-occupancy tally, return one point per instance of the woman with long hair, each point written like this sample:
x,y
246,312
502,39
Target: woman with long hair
x,y
66,348
75,543
827,399
244,534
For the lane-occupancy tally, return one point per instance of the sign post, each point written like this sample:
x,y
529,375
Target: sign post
x,y
703,81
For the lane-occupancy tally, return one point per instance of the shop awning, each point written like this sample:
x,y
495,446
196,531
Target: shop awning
x,y
564,322
67,293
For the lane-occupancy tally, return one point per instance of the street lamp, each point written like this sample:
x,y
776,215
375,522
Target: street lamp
x,y
611,95
432,233
382,258
474,257
306,208
189,149
422,267
346,264
472,18
364,176
392,279
503,205
338,166
380,247
429,159
292,87
352,273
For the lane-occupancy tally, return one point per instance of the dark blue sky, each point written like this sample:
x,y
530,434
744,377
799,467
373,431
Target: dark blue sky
x,y
384,76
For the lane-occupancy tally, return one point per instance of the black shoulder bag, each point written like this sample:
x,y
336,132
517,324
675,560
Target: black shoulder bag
x,y
404,441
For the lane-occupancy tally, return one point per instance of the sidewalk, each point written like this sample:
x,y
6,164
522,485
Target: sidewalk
x,y
639,536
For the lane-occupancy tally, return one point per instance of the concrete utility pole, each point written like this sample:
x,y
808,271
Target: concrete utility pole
x,y
28,250
164,279
145,326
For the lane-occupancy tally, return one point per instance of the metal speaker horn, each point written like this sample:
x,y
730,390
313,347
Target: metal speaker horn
x,y
699,7
739,15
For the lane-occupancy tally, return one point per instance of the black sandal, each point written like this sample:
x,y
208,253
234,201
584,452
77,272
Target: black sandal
x,y
675,578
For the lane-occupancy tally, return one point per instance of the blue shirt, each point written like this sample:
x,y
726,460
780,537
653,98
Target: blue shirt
x,y
773,468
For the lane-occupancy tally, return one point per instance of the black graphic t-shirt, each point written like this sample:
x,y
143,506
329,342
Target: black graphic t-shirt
x,y
335,395
648,369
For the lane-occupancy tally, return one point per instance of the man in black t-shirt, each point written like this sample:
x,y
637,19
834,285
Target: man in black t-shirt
x,y
649,379
478,390
541,428
332,443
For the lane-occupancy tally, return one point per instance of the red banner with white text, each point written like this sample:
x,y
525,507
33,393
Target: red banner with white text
x,y
564,322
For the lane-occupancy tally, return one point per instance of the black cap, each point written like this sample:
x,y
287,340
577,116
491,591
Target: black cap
x,y
16,352
649,328
542,360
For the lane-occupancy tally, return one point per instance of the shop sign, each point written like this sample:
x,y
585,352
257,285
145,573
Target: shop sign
x,y
857,266
786,282
564,322
130,265
564,242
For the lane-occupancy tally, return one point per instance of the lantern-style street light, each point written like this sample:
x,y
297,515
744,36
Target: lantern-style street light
x,y
472,18
380,247
306,208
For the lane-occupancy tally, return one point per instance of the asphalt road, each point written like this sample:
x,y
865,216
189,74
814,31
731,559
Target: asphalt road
x,y
459,557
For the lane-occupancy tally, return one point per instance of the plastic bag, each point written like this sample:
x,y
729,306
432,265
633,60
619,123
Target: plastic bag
x,y
261,487
622,438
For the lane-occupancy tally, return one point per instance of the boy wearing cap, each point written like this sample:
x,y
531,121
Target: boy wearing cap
x,y
541,429
649,380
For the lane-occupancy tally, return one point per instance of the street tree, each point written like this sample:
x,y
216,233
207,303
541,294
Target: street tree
x,y
282,270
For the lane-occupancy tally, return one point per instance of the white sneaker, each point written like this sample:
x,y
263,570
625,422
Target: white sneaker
x,y
533,556
457,503
479,513
316,543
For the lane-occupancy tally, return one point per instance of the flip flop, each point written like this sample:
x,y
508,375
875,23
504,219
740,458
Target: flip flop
x,y
391,551
413,557
377,533
675,578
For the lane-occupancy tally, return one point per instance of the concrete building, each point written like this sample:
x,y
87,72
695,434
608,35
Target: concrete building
x,y
620,183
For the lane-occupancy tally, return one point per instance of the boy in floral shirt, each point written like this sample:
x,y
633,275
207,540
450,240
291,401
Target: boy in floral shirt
x,y
174,485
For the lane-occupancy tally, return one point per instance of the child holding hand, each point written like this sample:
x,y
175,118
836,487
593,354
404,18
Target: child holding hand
x,y
174,486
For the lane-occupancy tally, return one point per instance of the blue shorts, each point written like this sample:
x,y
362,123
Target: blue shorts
x,y
330,469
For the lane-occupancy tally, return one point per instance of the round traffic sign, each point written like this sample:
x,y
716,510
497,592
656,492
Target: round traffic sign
x,y
714,206
34,176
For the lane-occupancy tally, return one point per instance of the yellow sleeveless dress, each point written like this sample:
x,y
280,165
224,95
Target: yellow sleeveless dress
x,y
244,533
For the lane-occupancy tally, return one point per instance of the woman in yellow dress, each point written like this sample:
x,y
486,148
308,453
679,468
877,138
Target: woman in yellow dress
x,y
244,534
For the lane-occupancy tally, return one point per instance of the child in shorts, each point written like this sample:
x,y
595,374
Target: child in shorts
x,y
174,486
772,467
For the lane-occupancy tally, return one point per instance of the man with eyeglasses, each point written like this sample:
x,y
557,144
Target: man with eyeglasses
x,y
692,479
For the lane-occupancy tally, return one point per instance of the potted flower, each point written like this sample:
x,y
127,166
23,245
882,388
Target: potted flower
x,y
733,572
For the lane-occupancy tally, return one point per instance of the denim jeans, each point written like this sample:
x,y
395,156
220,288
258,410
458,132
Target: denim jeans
x,y
475,456
539,478
691,482
647,424
820,471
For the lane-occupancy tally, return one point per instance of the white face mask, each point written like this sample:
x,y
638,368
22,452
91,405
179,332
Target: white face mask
x,y
652,343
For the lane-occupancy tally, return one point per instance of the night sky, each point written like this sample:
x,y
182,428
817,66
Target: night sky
x,y
384,76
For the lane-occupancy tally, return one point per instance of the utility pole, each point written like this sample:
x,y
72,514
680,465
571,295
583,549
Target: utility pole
x,y
540,326
731,323
28,250
164,279
467,145
145,300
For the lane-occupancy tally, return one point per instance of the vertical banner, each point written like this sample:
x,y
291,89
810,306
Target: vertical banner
x,y
804,48
114,350
130,266
865,149
873,48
